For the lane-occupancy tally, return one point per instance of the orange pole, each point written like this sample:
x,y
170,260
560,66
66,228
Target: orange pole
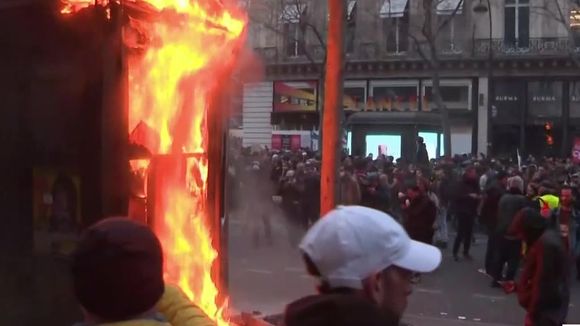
x,y
331,116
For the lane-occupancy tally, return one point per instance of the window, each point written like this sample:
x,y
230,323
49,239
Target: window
x,y
398,98
294,40
293,33
575,99
517,23
395,15
456,94
448,13
350,26
575,26
545,98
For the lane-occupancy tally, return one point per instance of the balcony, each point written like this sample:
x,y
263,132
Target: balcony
x,y
535,47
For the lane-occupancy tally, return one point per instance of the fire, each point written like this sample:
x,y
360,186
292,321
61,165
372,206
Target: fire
x,y
182,53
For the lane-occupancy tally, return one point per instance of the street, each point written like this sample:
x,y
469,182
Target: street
x,y
265,279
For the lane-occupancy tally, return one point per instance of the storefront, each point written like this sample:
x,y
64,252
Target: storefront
x,y
531,116
395,112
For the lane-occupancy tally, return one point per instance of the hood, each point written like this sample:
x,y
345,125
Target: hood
x,y
334,310
528,225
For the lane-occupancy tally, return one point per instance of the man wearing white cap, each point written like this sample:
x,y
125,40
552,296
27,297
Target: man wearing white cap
x,y
355,250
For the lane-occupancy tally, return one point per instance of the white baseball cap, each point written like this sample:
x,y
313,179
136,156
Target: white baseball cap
x,y
351,243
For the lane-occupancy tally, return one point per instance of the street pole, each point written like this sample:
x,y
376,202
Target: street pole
x,y
490,86
331,135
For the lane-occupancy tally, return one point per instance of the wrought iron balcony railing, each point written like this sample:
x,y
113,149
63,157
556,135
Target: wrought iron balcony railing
x,y
534,47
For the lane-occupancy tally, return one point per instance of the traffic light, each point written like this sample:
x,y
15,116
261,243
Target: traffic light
x,y
548,127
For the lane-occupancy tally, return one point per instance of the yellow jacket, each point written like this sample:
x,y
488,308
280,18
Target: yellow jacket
x,y
177,310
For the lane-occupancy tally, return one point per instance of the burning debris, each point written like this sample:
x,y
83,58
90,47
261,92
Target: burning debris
x,y
179,54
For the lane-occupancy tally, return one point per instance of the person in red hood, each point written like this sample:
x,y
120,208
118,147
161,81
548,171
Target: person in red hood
x,y
544,287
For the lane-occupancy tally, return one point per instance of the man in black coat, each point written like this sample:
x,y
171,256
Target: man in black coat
x,y
465,208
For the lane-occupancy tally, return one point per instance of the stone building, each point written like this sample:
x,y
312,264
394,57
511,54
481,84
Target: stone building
x,y
530,75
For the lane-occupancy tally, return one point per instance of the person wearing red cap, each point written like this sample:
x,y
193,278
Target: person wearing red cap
x,y
117,274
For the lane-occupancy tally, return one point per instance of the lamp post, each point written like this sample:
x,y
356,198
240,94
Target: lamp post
x,y
330,131
482,8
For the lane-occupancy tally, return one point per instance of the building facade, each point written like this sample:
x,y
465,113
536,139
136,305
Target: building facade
x,y
507,75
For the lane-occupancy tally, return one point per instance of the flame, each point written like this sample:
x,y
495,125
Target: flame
x,y
188,45
182,52
72,6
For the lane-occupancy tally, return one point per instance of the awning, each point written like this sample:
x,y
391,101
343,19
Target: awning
x,y
292,13
350,9
393,8
447,7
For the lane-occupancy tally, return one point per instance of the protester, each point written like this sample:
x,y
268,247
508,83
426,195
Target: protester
x,y
566,219
359,251
422,157
465,209
508,246
543,288
494,190
117,273
420,213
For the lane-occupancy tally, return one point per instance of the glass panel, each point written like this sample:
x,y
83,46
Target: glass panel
x,y
545,99
390,32
508,101
523,27
354,98
441,144
349,142
404,33
575,99
402,98
390,145
455,97
510,26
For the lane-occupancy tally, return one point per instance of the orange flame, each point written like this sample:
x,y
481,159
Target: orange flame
x,y
188,44
184,48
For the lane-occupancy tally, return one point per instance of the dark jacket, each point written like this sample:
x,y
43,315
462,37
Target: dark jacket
x,y
419,219
334,310
509,205
465,205
422,156
489,209
544,286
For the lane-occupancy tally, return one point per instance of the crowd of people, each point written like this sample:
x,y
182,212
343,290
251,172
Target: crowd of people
x,y
366,253
527,208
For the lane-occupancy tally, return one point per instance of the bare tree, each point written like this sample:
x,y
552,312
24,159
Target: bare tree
x,y
425,36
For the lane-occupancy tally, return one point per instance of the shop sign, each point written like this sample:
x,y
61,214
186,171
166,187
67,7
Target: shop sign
x,y
295,97
286,142
549,98
506,98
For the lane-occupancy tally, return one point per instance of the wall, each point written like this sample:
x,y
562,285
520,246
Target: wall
x,y
257,107
482,116
461,137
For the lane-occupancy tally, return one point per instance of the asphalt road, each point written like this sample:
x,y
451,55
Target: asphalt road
x,y
265,279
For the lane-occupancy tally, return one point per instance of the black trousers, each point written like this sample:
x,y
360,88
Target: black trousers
x,y
508,252
464,233
490,252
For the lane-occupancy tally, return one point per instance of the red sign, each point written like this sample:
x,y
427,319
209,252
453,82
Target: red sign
x,y
277,142
295,142
576,151
286,142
